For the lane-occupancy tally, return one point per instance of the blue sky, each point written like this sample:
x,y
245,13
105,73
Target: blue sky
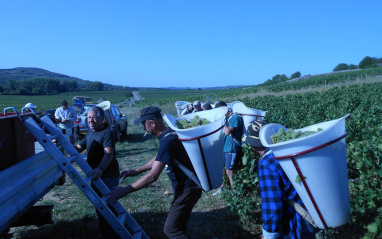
x,y
177,43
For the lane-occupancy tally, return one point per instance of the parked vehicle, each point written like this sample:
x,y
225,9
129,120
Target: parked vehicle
x,y
117,121
80,101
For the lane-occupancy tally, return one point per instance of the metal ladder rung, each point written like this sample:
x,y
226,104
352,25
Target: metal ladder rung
x,y
54,136
88,179
137,235
122,217
72,158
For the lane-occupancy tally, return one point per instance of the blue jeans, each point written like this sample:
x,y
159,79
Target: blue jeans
x,y
106,231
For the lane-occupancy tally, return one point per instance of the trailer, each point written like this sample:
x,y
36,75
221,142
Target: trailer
x,y
25,176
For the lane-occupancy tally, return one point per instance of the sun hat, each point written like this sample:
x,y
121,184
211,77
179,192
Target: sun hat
x,y
197,102
150,112
30,105
251,137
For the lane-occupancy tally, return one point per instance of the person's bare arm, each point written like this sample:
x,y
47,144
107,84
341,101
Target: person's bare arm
x,y
134,172
228,130
144,181
79,148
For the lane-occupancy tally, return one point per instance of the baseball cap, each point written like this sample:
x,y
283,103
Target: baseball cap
x,y
251,137
150,112
197,102
30,105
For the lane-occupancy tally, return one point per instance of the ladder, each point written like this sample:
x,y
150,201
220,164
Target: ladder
x,y
117,222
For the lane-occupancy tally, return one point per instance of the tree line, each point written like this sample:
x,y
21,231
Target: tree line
x,y
367,62
45,86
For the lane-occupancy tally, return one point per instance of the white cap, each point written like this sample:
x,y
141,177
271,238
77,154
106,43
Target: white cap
x,y
30,105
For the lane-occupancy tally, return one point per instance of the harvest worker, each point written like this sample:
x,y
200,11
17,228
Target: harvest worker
x,y
207,106
29,106
197,106
101,158
233,129
280,220
187,110
65,116
171,151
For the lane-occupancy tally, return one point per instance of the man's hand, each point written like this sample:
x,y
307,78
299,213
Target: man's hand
x,y
117,193
96,173
128,173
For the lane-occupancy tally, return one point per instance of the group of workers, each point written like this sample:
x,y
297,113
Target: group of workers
x,y
195,107
280,220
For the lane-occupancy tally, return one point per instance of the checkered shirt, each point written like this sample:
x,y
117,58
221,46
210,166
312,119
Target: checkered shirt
x,y
279,219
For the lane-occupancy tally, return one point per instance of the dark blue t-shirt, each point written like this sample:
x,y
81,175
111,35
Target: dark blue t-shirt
x,y
95,142
171,148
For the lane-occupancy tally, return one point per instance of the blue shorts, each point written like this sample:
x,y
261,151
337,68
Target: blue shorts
x,y
229,160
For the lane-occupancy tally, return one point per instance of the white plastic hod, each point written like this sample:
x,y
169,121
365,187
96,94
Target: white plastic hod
x,y
180,105
321,160
248,114
204,145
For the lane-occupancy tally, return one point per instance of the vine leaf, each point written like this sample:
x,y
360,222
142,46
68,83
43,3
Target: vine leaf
x,y
298,179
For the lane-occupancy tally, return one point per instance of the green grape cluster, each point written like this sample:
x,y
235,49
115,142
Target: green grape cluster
x,y
282,135
197,121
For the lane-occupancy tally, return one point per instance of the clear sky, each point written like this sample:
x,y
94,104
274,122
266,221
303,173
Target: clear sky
x,y
187,43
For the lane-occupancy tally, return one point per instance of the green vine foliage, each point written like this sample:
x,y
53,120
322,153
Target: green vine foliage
x,y
364,151
245,199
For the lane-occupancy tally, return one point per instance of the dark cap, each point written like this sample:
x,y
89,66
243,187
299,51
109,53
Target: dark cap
x,y
150,112
251,137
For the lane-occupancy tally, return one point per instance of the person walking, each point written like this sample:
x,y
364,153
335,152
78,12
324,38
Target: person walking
x,y
170,153
100,146
233,129
280,219
65,116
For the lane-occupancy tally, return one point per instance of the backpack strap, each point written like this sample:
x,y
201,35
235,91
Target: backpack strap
x,y
185,170
300,210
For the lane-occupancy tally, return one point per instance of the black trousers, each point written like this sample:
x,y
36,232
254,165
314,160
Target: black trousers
x,y
180,211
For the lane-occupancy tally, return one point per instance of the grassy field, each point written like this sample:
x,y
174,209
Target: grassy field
x,y
75,217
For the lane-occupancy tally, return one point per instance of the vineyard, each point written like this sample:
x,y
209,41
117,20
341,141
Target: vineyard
x,y
364,142
364,147
324,102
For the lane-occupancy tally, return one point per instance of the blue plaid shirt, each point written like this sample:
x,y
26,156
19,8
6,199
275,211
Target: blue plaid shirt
x,y
279,219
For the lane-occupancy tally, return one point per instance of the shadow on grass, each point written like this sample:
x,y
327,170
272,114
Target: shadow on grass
x,y
136,138
219,223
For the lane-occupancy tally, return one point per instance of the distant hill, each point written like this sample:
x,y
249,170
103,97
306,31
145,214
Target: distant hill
x,y
26,73
20,74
